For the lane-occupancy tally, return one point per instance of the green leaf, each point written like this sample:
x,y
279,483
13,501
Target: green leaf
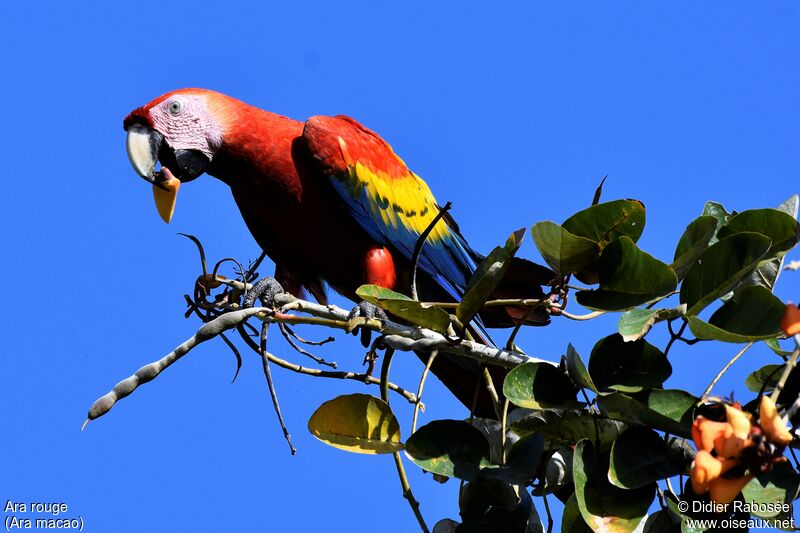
x,y
766,377
640,456
557,473
577,370
603,506
565,427
492,432
661,522
487,277
405,308
664,410
719,213
769,491
628,277
694,240
571,519
358,423
768,271
627,366
720,268
563,251
634,324
752,314
780,227
489,504
538,386
603,223
522,461
775,346
445,525
451,448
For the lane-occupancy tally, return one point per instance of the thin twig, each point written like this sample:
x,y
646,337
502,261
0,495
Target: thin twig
x,y
518,326
417,405
301,340
235,351
587,316
725,369
332,374
199,245
549,515
503,422
418,247
501,302
498,407
674,336
288,336
398,460
271,385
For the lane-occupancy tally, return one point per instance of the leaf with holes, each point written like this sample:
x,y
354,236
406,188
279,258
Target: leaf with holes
x,y
357,423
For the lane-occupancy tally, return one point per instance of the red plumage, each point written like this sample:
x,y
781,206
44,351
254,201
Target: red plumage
x,y
278,169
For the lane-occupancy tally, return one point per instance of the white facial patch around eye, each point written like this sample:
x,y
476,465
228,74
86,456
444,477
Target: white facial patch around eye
x,y
192,128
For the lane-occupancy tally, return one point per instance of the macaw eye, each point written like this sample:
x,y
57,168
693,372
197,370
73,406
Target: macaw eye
x,y
175,107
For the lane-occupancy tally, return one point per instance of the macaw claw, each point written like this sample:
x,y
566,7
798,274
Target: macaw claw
x,y
366,311
263,290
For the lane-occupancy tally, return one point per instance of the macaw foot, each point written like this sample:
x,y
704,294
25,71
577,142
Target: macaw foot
x,y
365,310
263,290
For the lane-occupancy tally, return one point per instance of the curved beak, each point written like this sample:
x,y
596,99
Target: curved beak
x,y
143,145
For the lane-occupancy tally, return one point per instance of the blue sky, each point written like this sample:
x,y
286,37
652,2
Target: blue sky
x,y
514,113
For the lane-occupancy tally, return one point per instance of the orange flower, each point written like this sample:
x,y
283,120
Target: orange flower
x,y
705,432
705,468
736,436
772,424
791,320
737,441
724,490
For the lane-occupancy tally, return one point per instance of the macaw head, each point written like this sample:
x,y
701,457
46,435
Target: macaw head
x,y
181,131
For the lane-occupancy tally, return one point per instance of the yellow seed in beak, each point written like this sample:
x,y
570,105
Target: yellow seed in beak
x,y
165,199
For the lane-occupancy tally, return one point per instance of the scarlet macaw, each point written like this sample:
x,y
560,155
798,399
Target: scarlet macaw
x,y
327,200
